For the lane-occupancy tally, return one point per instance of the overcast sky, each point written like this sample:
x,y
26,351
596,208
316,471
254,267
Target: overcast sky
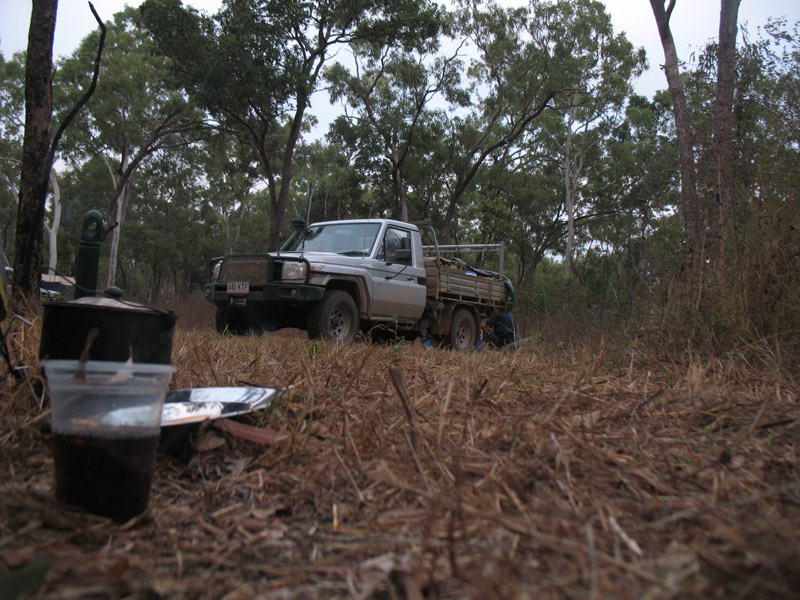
x,y
694,22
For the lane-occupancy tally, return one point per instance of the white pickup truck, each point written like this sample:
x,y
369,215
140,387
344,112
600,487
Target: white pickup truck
x,y
338,277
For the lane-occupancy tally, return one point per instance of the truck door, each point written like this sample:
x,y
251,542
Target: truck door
x,y
398,286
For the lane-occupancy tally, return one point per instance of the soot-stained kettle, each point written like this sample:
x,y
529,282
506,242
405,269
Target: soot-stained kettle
x,y
110,327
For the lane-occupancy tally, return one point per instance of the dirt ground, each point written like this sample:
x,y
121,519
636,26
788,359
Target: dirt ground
x,y
398,471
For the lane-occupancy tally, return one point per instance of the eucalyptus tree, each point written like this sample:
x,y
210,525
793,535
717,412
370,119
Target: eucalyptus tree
x,y
390,94
363,150
690,205
36,150
547,82
173,227
717,207
231,176
521,200
12,114
724,152
750,285
511,84
635,190
256,64
581,122
137,110
764,126
526,58
767,119
40,145
767,219
328,184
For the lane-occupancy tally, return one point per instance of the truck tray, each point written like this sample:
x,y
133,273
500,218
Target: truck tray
x,y
454,283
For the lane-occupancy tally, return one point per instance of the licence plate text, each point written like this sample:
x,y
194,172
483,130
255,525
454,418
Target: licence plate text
x,y
238,287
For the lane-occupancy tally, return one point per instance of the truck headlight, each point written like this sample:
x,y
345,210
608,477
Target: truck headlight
x,y
215,272
293,270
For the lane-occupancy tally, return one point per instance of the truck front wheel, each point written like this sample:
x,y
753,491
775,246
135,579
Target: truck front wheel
x,y
221,320
230,321
463,331
335,317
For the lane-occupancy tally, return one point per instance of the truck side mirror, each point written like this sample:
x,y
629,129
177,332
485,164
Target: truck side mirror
x,y
401,255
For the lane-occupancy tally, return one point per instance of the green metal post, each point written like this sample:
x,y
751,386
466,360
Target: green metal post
x,y
89,254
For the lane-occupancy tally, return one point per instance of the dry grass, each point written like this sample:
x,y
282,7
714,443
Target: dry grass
x,y
566,473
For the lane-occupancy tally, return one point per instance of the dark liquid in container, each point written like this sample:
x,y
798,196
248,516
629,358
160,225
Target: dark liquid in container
x,y
110,476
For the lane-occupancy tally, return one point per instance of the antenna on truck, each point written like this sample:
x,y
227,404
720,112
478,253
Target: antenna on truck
x,y
300,229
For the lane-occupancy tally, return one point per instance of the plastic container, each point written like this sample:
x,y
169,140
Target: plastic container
x,y
106,420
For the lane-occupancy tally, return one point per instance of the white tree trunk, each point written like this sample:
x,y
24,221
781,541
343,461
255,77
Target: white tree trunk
x,y
242,212
52,230
121,205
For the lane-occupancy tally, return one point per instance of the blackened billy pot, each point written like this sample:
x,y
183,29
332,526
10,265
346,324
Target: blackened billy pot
x,y
125,330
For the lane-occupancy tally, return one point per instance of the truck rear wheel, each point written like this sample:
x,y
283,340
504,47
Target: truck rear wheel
x,y
463,331
334,318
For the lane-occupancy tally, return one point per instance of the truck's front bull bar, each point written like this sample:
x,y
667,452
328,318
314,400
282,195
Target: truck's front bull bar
x,y
265,293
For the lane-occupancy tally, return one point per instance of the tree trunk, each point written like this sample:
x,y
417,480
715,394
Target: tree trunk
x,y
36,160
227,217
399,187
723,124
52,231
683,126
570,184
278,209
234,237
118,210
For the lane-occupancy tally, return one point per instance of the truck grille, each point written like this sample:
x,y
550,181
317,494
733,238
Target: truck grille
x,y
245,268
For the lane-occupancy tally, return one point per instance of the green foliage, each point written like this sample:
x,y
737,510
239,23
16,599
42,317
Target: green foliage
x,y
328,183
12,117
136,106
160,246
393,125
255,65
12,99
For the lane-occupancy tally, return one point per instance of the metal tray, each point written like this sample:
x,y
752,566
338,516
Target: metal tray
x,y
195,405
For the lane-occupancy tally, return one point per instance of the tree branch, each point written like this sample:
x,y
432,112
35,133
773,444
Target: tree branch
x,y
669,10
82,102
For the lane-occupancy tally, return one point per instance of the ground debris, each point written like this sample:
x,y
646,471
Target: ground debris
x,y
412,472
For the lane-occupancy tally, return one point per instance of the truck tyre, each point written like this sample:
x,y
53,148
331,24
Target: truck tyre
x,y
220,320
334,318
463,331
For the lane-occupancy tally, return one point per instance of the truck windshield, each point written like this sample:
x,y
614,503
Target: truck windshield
x,y
351,239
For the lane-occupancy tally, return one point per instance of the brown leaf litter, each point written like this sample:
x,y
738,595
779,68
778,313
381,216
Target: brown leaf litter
x,y
410,472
